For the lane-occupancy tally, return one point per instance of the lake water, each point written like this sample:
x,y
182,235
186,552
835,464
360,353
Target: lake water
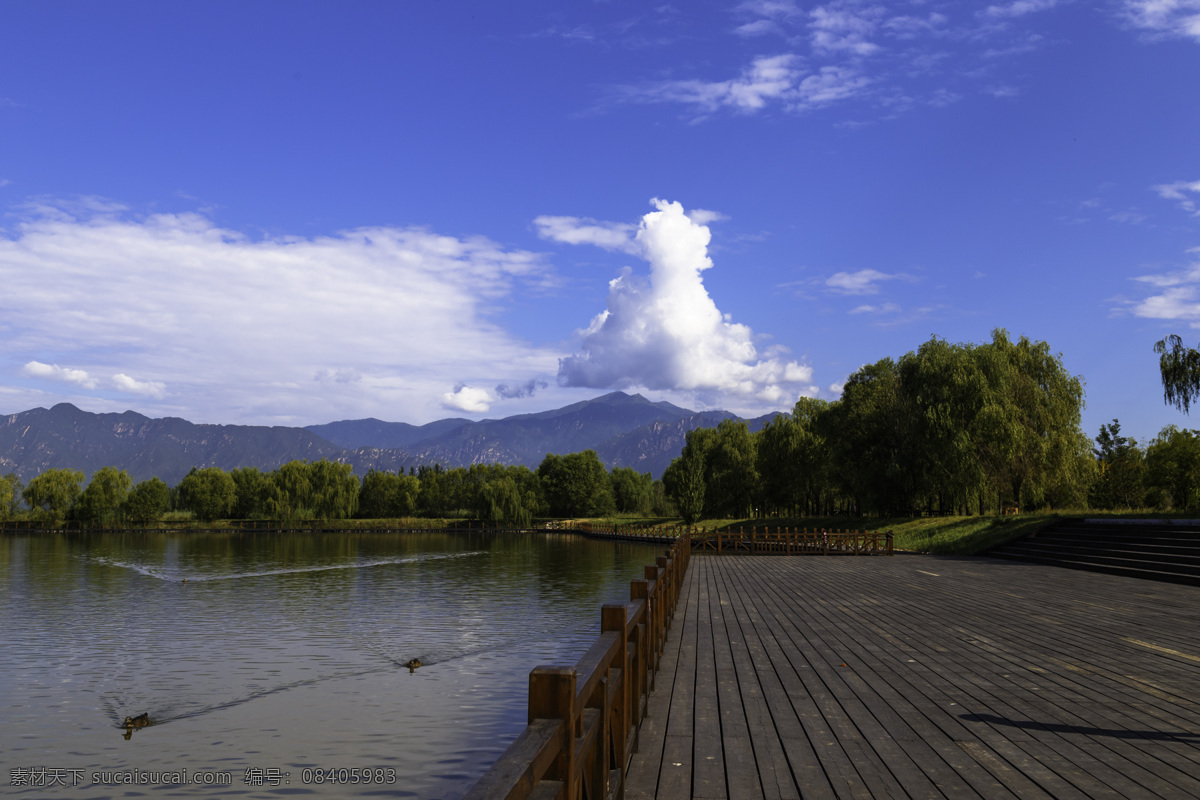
x,y
280,658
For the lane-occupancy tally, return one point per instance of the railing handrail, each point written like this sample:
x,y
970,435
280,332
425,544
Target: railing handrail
x,y
584,719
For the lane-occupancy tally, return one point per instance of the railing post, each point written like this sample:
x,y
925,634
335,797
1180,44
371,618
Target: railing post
x,y
640,590
614,618
552,696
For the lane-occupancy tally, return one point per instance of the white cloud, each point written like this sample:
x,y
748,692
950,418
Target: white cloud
x,y
1179,300
1180,18
385,318
584,230
1019,8
664,332
772,9
865,281
1179,191
469,399
829,85
844,26
767,78
757,28
702,216
132,386
53,372
883,308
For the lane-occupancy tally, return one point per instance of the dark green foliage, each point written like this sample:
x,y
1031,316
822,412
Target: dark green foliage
x,y
147,501
633,492
103,500
10,491
386,495
576,485
684,479
256,493
1180,370
1121,470
208,493
52,494
499,503
732,472
949,427
1173,468
334,490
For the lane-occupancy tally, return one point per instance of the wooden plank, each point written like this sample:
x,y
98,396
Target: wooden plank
x,y
962,677
708,757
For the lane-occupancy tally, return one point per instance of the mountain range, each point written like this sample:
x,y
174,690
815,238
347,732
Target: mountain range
x,y
624,430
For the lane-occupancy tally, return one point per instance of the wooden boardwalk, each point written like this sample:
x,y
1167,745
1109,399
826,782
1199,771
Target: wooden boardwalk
x,y
924,677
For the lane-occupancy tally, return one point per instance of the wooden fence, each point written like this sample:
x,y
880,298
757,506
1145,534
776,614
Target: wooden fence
x,y
787,541
584,720
780,541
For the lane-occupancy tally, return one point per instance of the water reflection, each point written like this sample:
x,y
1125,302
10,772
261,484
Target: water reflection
x,y
267,654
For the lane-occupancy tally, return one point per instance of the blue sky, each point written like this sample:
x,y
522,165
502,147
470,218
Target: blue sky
x,y
292,213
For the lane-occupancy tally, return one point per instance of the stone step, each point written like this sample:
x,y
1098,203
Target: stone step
x,y
1096,556
1150,549
1129,572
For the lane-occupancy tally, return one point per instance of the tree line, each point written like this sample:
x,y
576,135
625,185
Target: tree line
x,y
948,428
562,486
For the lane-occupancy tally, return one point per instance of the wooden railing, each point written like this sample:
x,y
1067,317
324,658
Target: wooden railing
x,y
584,720
788,541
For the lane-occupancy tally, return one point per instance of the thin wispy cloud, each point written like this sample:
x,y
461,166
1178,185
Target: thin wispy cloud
x,y
1183,193
1019,8
1169,18
1179,298
584,230
864,281
845,27
893,58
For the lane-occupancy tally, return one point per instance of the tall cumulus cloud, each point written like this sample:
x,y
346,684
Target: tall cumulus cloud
x,y
662,331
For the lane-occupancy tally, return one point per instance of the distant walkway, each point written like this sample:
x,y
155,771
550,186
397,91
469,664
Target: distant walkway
x,y
923,677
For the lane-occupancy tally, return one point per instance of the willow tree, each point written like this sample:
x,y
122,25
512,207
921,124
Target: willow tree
x,y
52,494
103,499
793,458
1180,368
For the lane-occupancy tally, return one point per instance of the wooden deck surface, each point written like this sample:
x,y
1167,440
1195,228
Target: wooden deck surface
x,y
924,677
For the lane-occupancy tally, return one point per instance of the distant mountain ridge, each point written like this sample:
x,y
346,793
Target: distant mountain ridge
x,y
625,430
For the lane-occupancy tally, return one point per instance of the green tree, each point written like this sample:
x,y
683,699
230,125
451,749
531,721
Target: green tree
x,y
1121,470
431,501
732,474
208,493
147,501
292,496
254,493
10,495
576,485
1180,370
684,479
499,502
334,490
387,495
872,440
52,494
633,492
1173,468
104,498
